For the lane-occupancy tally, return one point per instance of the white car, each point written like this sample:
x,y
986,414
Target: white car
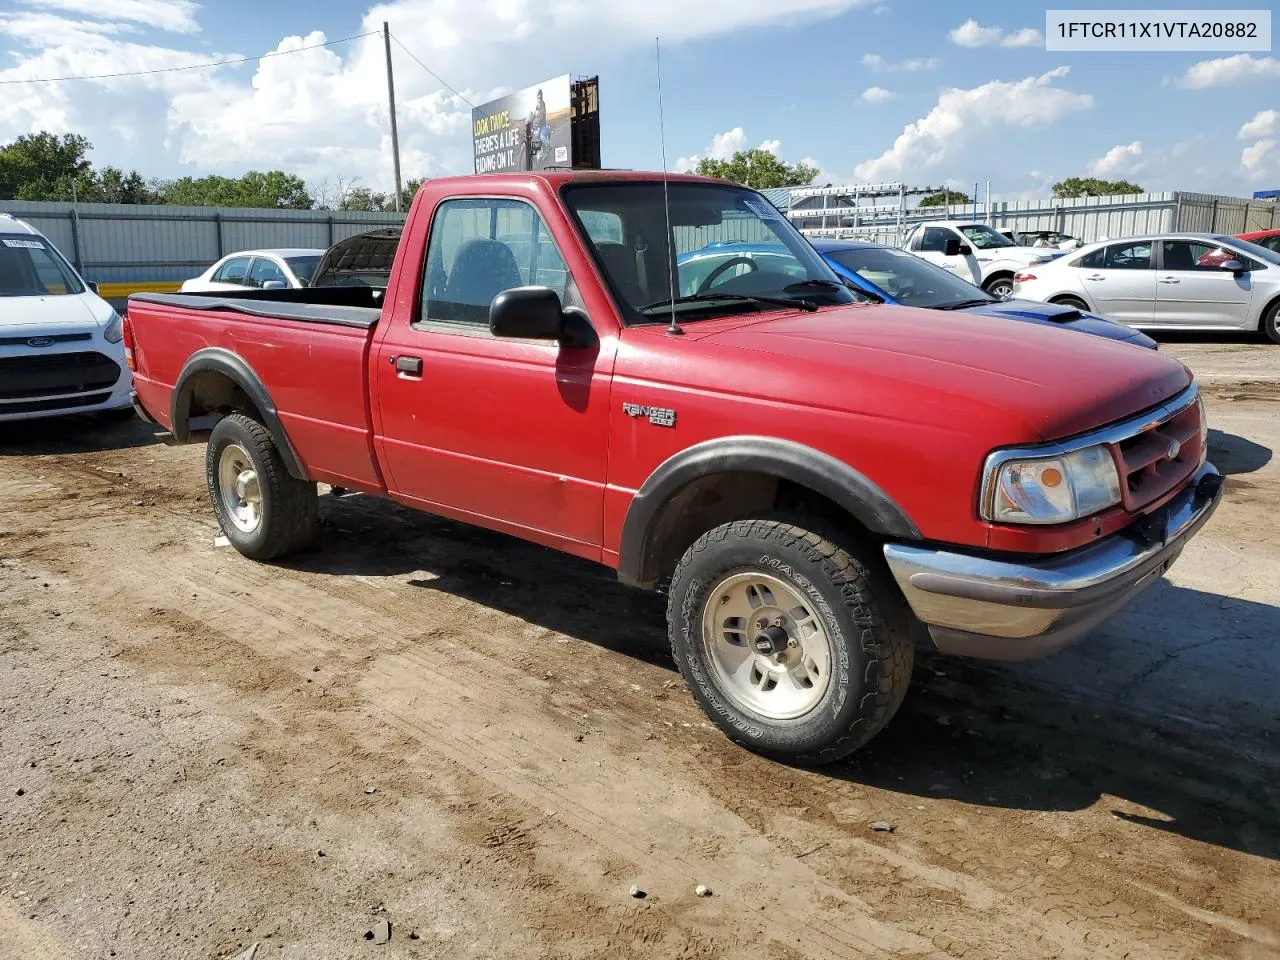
x,y
975,252
61,345
258,269
1174,281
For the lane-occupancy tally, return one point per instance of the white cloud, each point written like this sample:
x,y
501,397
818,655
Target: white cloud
x,y
178,16
320,113
1026,37
1222,71
722,147
1266,123
877,95
1121,160
1258,159
878,64
972,34
962,116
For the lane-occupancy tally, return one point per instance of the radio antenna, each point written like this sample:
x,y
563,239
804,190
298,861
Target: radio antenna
x,y
674,329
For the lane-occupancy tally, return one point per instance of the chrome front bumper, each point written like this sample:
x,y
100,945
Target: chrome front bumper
x,y
996,609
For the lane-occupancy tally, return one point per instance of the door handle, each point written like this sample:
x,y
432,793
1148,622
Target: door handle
x,y
1095,276
408,365
1169,280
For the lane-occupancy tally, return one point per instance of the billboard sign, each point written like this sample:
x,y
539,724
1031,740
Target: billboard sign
x,y
526,130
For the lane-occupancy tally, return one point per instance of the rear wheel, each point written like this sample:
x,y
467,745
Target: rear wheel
x,y
795,645
999,286
1271,322
263,511
1074,302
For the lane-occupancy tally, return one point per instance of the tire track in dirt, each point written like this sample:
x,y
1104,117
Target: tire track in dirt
x,y
707,809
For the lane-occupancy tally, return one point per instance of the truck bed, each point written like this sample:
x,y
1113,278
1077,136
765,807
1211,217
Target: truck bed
x,y
307,348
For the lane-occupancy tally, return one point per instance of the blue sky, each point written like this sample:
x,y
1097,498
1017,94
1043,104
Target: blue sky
x,y
916,90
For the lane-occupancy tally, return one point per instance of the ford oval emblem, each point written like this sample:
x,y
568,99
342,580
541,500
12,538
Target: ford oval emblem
x,y
1175,448
40,342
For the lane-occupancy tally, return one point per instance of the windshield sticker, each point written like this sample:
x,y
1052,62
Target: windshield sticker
x,y
762,209
25,244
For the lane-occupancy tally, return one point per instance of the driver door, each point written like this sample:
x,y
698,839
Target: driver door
x,y
509,434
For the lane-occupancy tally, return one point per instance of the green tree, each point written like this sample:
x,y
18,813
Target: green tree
x,y
758,169
410,191
1093,187
365,199
36,166
273,189
944,197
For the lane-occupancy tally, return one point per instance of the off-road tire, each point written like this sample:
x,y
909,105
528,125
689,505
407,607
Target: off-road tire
x,y
288,520
861,609
1270,323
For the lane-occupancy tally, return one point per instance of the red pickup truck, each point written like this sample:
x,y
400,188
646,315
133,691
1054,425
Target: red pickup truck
x,y
822,481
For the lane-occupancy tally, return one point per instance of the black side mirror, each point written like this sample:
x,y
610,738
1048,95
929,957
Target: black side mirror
x,y
92,285
952,247
965,250
527,313
1235,266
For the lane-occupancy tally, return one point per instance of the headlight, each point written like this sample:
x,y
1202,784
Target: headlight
x,y
1052,489
114,330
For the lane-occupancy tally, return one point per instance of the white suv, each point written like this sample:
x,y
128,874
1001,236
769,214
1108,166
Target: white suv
x,y
975,252
61,348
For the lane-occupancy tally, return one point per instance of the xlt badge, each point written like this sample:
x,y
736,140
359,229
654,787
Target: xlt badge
x,y
658,416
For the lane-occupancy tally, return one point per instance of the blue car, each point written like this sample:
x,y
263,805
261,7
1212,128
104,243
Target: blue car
x,y
897,277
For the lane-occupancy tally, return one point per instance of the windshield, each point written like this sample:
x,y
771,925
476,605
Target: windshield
x,y
304,268
908,279
728,250
30,267
1257,250
984,237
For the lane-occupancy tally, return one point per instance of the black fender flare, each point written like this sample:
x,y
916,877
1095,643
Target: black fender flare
x,y
234,368
784,459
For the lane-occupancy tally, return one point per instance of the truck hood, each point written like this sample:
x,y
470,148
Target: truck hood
x,y
1056,382
42,316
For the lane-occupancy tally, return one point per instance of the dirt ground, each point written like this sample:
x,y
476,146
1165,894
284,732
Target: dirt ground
x,y
486,744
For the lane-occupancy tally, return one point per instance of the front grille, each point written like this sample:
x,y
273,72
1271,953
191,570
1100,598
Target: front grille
x,y
60,403
1147,471
46,375
52,338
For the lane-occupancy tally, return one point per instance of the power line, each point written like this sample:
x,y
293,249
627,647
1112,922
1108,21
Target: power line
x,y
430,71
201,66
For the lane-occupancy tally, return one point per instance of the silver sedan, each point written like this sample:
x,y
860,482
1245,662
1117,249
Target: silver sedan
x,y
1174,281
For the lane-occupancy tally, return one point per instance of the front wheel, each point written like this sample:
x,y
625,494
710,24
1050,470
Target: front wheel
x,y
796,646
264,512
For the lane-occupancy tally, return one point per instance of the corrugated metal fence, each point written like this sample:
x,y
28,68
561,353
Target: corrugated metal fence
x,y
1092,218
156,247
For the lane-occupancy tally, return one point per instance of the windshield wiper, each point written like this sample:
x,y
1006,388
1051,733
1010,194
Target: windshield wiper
x,y
806,305
833,285
961,304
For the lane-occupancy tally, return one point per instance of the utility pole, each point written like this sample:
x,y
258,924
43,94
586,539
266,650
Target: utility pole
x,y
391,99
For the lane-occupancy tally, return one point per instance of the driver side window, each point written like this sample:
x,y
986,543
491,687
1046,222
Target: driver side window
x,y
935,240
480,248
